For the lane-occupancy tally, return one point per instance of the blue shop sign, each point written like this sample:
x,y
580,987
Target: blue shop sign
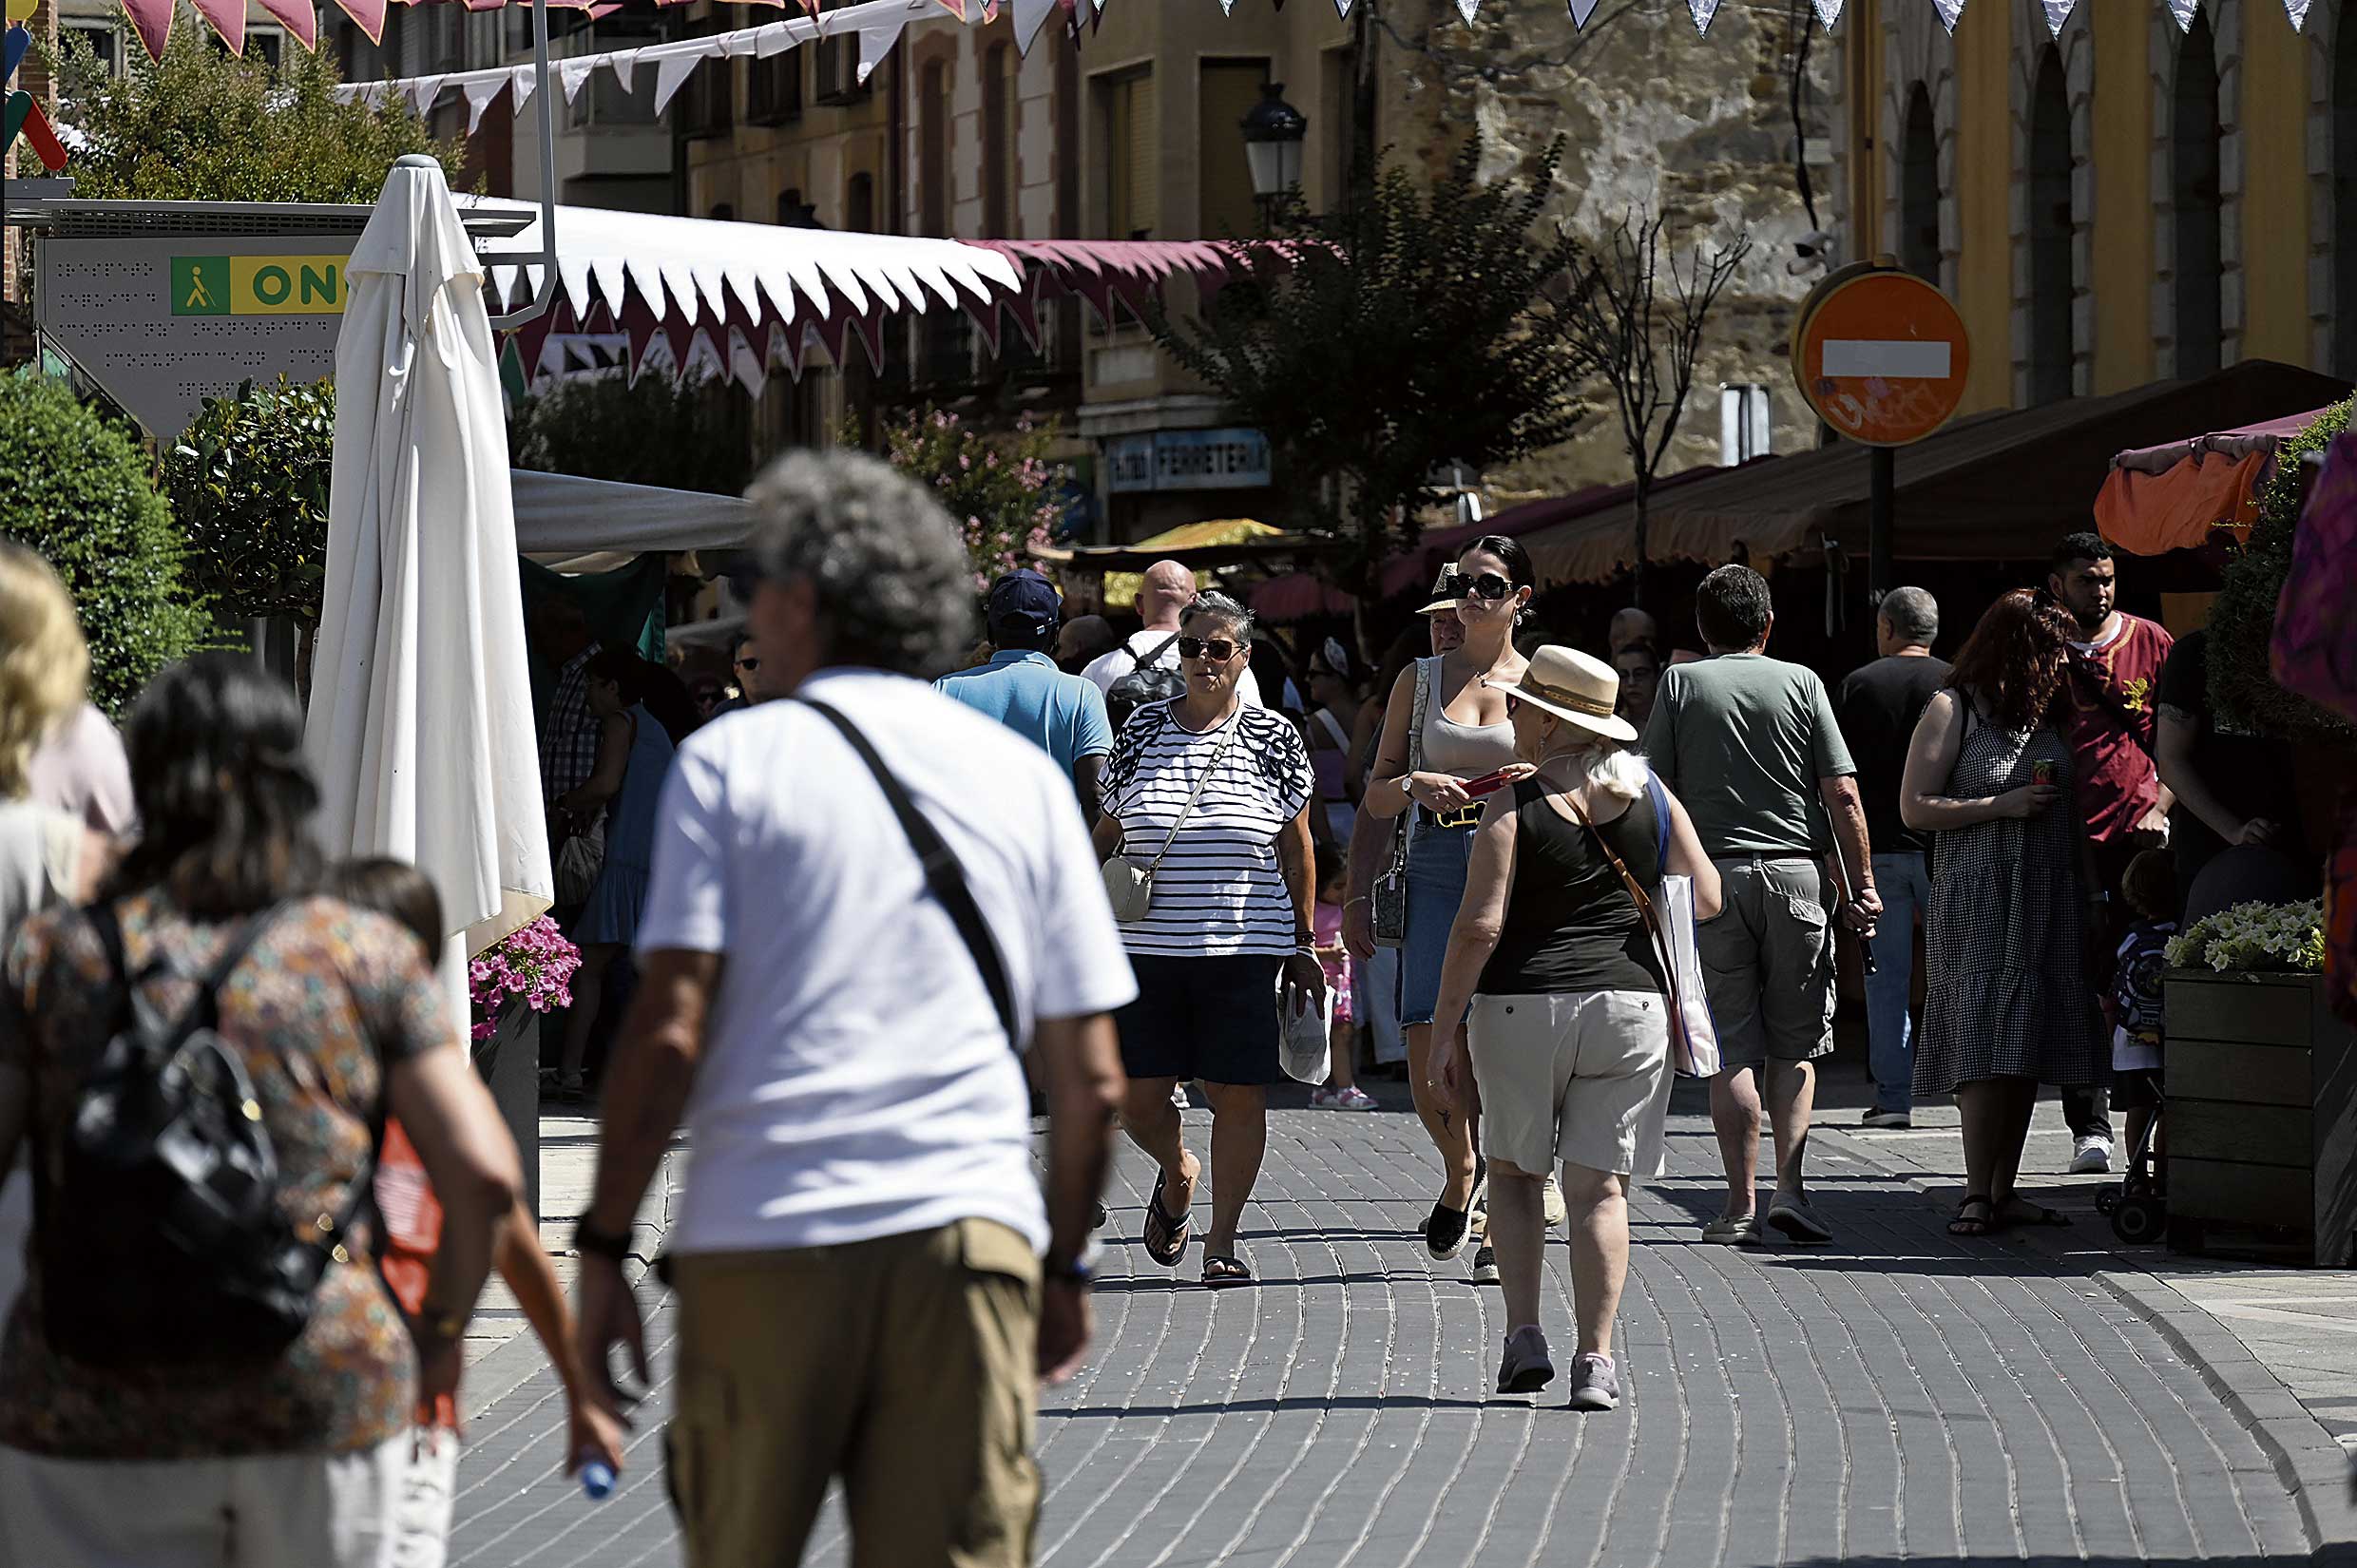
x,y
1189,460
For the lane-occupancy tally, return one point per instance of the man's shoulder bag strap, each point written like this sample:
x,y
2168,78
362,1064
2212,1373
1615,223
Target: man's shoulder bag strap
x,y
942,874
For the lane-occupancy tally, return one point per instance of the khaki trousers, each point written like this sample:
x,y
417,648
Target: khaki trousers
x,y
905,1365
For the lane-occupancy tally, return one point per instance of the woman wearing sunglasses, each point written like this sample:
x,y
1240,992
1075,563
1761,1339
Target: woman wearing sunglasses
x,y
1421,770
1209,795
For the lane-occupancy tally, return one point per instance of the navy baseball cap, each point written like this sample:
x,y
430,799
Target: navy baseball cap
x,y
1026,596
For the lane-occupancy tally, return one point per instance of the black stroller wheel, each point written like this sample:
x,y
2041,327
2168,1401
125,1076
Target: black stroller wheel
x,y
2106,1199
2138,1219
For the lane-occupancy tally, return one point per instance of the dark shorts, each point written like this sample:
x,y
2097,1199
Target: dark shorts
x,y
1211,1019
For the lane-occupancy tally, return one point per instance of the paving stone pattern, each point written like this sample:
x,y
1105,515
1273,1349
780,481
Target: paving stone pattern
x,y
1898,1396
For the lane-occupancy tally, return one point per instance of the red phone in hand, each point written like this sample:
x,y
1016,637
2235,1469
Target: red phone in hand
x,y
1488,784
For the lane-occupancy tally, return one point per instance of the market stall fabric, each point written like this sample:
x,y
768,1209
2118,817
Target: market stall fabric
x,y
2170,496
1998,487
573,525
420,727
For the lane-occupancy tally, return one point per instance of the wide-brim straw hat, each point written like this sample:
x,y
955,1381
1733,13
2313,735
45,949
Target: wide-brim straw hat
x,y
1574,687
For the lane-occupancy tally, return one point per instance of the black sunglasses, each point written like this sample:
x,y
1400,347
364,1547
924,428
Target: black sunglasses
x,y
1466,585
1218,649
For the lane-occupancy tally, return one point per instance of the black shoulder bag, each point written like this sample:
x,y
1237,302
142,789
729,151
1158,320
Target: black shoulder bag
x,y
942,874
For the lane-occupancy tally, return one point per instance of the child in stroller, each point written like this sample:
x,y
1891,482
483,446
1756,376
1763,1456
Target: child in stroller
x,y
2138,1206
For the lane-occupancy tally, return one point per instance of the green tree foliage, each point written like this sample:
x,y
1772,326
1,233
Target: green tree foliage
x,y
1415,328
248,483
76,489
1001,489
2242,621
203,125
678,434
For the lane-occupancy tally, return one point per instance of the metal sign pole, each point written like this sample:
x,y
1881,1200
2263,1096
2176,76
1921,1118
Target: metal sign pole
x,y
546,259
1882,485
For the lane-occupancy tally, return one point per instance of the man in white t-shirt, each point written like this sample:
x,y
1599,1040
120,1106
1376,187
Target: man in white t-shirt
x,y
858,1252
1163,596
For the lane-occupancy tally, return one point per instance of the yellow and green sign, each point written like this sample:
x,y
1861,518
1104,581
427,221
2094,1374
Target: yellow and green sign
x,y
258,285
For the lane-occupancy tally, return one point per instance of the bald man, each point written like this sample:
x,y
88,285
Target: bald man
x,y
1630,627
1163,596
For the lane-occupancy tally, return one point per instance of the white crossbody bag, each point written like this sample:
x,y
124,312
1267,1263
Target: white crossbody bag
x,y
1129,886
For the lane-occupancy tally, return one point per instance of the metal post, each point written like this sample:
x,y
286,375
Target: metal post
x,y
1880,572
546,258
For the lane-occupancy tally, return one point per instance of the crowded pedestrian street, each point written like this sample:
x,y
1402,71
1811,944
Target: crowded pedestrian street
x,y
1894,1398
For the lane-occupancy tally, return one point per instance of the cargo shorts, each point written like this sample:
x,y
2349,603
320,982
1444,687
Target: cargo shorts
x,y
1768,961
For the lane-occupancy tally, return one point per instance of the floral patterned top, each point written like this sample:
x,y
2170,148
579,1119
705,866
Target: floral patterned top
x,y
328,997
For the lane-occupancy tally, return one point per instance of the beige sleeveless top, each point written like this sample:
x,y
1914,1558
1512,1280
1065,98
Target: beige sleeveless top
x,y
1468,750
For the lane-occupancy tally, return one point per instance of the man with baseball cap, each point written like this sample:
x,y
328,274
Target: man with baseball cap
x,y
1021,688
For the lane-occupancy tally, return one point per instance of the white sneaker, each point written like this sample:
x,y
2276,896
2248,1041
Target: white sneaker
x,y
1179,1096
2091,1156
1557,1211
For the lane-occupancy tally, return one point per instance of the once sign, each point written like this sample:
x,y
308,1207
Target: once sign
x,y
1880,355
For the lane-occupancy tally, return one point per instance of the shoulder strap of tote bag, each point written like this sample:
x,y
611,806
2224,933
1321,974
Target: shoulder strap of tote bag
x,y
942,874
1645,910
1200,779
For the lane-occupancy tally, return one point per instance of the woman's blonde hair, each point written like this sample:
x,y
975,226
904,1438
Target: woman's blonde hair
x,y
1609,766
44,665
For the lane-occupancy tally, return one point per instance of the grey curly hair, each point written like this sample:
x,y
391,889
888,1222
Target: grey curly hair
x,y
893,584
1228,612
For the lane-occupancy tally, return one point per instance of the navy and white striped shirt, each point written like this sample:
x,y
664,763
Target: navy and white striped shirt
x,y
1220,890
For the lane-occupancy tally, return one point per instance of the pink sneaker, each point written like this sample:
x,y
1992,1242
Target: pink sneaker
x,y
1352,1098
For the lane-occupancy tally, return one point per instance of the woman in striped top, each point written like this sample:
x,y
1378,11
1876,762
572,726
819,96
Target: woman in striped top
x,y
1214,794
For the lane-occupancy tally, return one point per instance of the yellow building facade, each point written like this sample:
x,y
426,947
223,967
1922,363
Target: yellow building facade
x,y
2128,199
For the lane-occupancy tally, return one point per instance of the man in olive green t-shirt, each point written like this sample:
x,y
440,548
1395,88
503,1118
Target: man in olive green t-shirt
x,y
1750,747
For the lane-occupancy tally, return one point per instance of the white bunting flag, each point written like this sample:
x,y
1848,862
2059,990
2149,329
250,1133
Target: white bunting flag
x,y
1227,8
624,64
1467,7
2059,15
424,90
1342,9
1702,10
2183,11
1030,15
481,87
521,83
1948,11
1828,13
877,39
2297,10
673,63
1581,10
572,73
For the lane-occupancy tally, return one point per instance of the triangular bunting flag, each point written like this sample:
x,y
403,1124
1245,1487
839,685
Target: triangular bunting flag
x,y
572,73
955,7
1342,9
1702,10
1581,10
228,19
2183,11
424,90
1227,8
744,365
2057,15
300,18
152,21
1467,7
1030,15
480,90
2297,11
671,72
1828,13
368,15
521,83
1948,11
877,39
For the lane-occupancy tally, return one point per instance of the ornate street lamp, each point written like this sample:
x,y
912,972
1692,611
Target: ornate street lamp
x,y
1273,134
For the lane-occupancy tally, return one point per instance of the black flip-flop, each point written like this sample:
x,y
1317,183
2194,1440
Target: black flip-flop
x,y
1221,1271
1165,1236
1966,1224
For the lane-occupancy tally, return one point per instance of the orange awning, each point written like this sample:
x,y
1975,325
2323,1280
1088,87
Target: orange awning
x,y
2155,513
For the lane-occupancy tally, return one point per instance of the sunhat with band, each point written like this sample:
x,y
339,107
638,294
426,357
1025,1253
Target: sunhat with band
x,y
1576,688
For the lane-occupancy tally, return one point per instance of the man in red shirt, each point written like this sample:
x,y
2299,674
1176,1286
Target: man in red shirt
x,y
2114,675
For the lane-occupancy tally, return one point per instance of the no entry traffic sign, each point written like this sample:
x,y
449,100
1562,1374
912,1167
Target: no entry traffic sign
x,y
1880,355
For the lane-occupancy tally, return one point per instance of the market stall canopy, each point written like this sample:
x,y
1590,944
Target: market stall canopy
x,y
2171,496
1220,542
1999,487
573,525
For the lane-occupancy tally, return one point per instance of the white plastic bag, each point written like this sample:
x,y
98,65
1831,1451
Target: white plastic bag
x,y
1304,1035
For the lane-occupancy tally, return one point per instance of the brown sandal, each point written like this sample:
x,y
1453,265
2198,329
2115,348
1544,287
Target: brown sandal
x,y
1967,1224
1165,1236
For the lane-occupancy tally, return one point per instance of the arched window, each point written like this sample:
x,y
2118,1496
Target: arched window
x,y
2199,219
998,142
2051,224
932,159
1919,189
2345,197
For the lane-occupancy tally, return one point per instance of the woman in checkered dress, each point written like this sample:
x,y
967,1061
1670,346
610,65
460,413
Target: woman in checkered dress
x,y
2008,1003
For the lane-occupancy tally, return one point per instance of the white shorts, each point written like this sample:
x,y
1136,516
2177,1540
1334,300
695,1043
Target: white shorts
x,y
1572,1077
270,1511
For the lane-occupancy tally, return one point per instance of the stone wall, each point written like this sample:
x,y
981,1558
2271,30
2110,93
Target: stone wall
x,y
1650,114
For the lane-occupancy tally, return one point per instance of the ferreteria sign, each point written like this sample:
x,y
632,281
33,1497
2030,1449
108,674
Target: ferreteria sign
x,y
258,285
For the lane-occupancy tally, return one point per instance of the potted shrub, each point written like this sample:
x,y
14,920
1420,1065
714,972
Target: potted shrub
x,y
2260,1077
514,983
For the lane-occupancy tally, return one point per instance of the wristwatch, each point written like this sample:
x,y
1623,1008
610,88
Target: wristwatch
x,y
1080,1271
591,1242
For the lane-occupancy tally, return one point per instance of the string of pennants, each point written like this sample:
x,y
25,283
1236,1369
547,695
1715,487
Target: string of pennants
x,y
151,21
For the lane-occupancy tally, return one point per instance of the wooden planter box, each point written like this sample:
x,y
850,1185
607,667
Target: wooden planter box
x,y
2261,1086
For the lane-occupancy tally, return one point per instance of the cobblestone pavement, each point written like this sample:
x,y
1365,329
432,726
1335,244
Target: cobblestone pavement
x,y
1898,1396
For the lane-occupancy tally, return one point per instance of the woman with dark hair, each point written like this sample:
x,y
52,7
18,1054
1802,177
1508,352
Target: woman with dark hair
x,y
160,1451
2008,1003
634,754
1446,724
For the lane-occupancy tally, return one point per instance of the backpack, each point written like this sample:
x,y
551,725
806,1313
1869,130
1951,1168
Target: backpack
x,y
1145,684
163,1242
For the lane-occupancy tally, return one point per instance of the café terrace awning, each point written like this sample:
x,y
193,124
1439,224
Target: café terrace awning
x,y
1998,487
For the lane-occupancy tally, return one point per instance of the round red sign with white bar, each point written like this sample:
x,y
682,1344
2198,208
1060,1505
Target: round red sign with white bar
x,y
1880,355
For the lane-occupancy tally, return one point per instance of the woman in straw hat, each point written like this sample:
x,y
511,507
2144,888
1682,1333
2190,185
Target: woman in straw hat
x,y
1569,1037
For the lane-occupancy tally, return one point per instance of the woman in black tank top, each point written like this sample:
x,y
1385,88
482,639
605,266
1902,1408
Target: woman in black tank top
x,y
1569,1027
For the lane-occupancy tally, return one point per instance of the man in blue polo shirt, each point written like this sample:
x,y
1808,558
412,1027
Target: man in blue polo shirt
x,y
1021,688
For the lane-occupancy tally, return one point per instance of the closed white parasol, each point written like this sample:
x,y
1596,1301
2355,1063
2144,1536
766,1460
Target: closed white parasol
x,y
421,724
